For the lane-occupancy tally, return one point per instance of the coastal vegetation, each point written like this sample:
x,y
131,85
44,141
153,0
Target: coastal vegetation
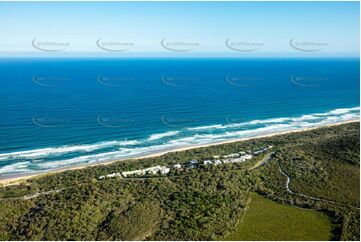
x,y
280,221
311,180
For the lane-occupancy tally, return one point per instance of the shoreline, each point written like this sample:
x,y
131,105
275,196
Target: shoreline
x,y
17,179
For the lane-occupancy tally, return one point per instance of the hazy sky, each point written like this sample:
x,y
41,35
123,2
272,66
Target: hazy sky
x,y
186,28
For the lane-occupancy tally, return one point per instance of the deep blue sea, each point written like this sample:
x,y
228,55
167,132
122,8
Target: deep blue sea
x,y
57,113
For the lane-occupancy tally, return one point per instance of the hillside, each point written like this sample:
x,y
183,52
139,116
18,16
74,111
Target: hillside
x,y
317,171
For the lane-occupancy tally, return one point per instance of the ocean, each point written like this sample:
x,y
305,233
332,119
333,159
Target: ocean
x,y
58,113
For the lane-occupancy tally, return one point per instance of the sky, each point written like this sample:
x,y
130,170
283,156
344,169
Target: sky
x,y
184,29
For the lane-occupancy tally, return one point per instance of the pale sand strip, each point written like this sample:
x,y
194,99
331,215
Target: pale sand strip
x,y
19,179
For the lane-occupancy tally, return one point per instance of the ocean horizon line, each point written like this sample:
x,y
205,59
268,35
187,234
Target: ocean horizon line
x,y
112,57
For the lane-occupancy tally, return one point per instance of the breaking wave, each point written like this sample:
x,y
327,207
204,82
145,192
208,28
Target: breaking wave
x,y
162,135
58,157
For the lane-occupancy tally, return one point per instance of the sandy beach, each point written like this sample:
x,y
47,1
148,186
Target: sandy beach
x,y
14,180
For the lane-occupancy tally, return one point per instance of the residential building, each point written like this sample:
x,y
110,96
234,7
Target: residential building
x,y
207,162
217,162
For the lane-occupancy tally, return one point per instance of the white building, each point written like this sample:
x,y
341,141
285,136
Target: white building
x,y
217,162
177,166
207,162
113,175
129,173
150,170
193,162
242,158
246,157
260,151
110,175
225,161
231,155
164,170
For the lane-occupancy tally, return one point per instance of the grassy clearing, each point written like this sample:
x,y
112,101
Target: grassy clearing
x,y
268,220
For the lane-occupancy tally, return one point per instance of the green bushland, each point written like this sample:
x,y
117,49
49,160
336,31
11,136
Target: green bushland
x,y
265,219
197,204
137,223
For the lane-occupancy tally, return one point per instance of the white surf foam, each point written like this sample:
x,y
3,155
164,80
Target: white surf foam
x,y
307,117
15,168
191,136
162,135
108,156
40,153
217,126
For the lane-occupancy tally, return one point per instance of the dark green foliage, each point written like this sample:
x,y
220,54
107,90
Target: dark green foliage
x,y
10,212
196,204
351,226
137,223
